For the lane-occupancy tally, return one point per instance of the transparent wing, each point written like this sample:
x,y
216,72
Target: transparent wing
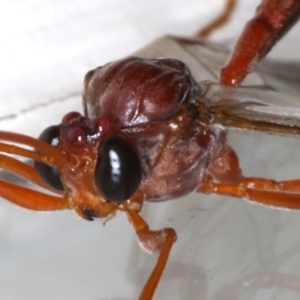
x,y
224,246
267,101
253,108
206,59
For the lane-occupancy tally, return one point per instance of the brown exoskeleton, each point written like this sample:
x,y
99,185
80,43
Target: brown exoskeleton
x,y
150,133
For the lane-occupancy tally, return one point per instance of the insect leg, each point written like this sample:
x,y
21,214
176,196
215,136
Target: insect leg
x,y
152,241
272,20
285,194
219,21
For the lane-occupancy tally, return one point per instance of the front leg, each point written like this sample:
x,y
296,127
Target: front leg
x,y
152,241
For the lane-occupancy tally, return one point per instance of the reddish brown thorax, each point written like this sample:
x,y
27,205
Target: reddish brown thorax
x,y
137,91
156,106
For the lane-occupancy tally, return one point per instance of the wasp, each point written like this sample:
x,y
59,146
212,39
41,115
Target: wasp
x,y
154,128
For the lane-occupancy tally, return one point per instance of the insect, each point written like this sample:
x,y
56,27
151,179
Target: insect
x,y
103,127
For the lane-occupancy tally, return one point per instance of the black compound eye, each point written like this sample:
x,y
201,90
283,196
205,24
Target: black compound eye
x,y
119,173
50,175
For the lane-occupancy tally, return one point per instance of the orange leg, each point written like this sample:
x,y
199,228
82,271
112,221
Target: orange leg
x,y
285,194
152,241
220,21
272,20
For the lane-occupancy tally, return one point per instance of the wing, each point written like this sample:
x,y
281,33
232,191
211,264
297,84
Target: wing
x,y
253,108
267,101
206,59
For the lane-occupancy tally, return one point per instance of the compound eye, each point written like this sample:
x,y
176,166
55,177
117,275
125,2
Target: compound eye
x,y
50,175
118,173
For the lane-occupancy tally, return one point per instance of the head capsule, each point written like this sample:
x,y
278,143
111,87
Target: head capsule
x,y
107,171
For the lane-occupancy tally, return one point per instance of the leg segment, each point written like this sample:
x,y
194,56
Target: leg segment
x,y
272,20
152,241
285,194
220,21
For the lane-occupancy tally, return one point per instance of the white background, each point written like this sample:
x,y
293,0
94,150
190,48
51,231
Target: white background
x,y
227,249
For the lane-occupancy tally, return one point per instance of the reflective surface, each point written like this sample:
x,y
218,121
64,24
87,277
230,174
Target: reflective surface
x,y
226,248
